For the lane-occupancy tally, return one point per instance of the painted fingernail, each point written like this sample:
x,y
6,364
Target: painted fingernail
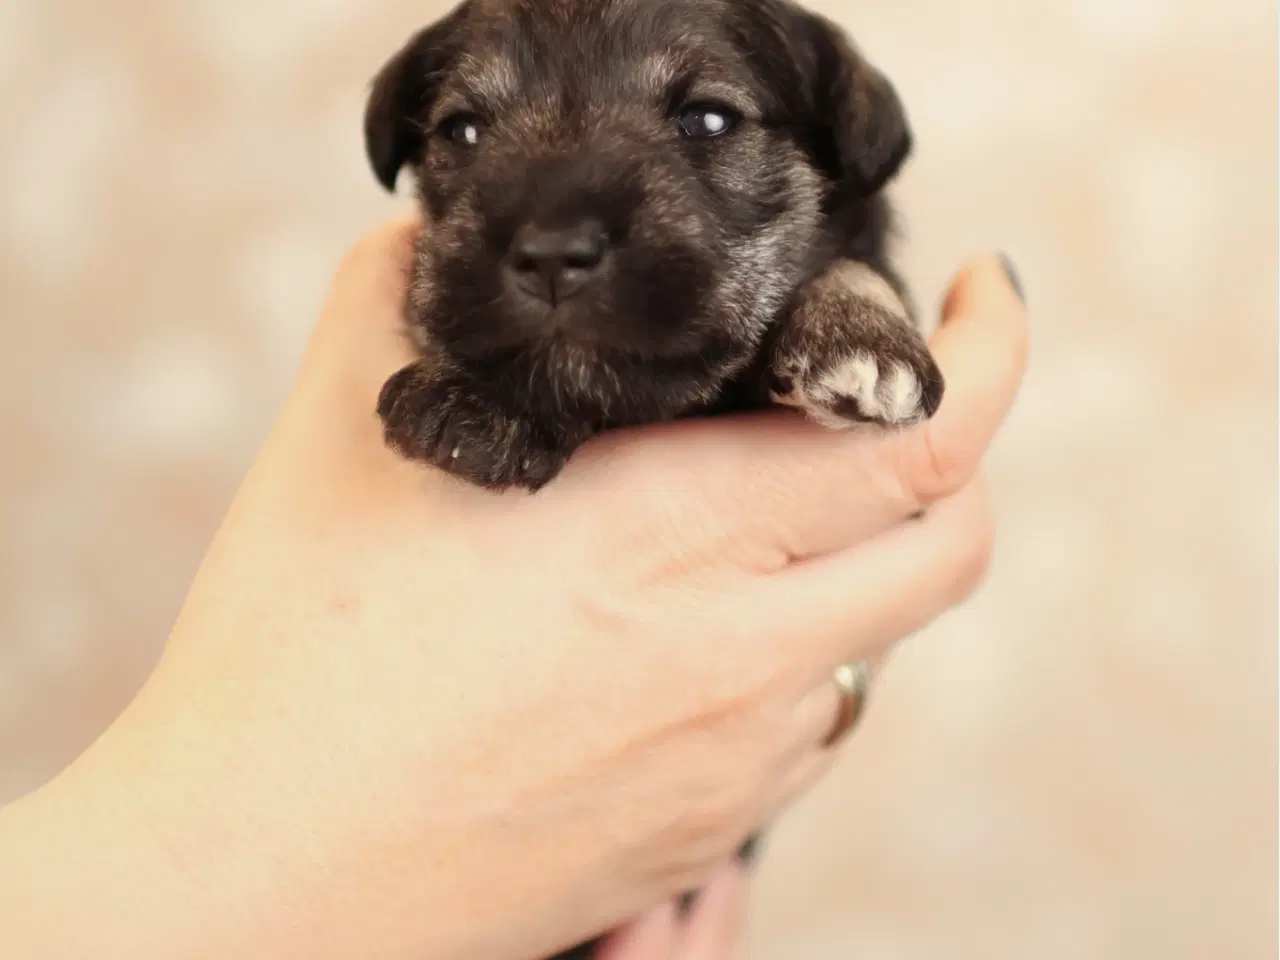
x,y
749,852
1011,272
686,903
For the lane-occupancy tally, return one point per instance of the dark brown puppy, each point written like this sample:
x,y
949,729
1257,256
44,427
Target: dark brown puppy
x,y
639,210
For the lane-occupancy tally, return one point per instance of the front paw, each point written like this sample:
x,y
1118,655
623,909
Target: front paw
x,y
879,383
448,424
849,358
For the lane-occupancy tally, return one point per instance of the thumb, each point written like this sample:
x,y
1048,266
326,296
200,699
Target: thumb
x,y
359,339
984,340
329,417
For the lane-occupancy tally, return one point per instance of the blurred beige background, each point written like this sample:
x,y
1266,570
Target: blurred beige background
x,y
1081,763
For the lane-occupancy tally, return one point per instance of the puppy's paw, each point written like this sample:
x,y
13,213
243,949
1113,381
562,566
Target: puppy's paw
x,y
448,424
872,383
850,354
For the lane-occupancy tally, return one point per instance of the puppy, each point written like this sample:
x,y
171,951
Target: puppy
x,y
639,210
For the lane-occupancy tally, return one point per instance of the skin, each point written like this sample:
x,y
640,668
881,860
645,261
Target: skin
x,y
400,716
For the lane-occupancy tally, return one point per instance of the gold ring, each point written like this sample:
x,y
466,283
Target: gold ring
x,y
852,681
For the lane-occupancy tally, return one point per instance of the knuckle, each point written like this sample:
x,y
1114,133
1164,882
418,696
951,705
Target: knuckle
x,y
605,607
689,517
659,542
938,466
717,817
723,770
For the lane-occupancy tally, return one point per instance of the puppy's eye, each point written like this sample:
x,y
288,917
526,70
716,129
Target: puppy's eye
x,y
464,129
701,121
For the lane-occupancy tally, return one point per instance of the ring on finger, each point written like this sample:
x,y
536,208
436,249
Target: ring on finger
x,y
852,682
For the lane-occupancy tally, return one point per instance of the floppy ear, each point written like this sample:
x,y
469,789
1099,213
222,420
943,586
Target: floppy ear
x,y
867,123
395,130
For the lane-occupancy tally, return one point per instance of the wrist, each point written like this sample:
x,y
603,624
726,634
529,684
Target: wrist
x,y
101,863
167,841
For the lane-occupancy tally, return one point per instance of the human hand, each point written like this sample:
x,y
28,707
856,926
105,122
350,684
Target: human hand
x,y
403,717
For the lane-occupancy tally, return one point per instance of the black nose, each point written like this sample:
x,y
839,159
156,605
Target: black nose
x,y
553,264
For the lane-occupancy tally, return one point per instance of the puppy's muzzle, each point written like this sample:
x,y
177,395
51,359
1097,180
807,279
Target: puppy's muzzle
x,y
552,264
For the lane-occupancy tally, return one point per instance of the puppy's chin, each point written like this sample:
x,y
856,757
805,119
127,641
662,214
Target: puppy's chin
x,y
591,360
609,385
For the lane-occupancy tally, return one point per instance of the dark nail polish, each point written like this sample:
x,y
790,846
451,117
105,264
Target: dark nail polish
x,y
685,905
749,852
1011,272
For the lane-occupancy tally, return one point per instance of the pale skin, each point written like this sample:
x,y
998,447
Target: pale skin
x,y
400,717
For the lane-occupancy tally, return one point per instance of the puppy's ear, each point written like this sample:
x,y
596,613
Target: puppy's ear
x,y
866,122
395,132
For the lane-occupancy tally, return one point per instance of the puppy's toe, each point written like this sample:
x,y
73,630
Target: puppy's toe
x,y
881,389
867,386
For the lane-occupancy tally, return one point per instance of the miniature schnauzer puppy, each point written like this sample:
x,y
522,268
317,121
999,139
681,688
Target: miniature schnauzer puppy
x,y
639,210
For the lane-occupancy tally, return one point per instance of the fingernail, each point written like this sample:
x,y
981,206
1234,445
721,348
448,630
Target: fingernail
x,y
749,853
686,903
1011,272
746,858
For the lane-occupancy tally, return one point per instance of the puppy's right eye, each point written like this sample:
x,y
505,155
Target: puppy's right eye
x,y
703,121
464,129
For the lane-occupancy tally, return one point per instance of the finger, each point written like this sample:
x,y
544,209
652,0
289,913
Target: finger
x,y
854,605
713,927
984,339
771,487
329,418
829,729
818,712
359,339
811,718
812,754
652,937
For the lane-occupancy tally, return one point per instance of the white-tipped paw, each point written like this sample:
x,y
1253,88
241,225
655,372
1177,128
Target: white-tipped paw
x,y
862,387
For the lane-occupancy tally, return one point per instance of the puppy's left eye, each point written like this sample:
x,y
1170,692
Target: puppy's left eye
x,y
701,121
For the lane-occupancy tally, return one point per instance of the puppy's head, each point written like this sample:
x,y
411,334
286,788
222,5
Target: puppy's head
x,y
622,194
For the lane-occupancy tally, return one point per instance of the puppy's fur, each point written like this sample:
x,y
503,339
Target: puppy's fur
x,y
737,269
